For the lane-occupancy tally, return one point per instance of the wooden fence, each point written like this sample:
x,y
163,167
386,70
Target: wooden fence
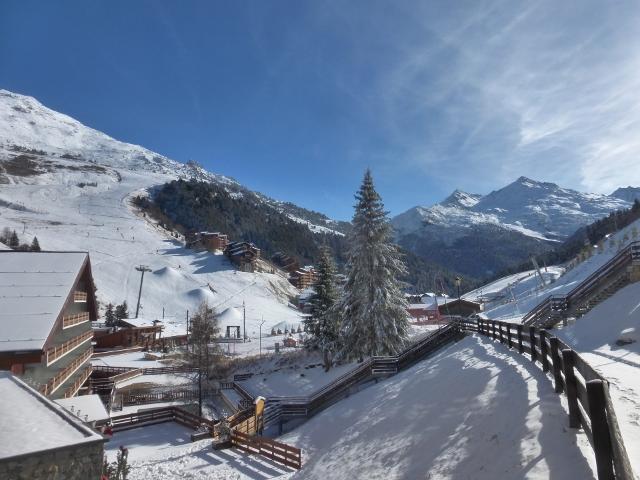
x,y
141,397
157,415
587,392
276,451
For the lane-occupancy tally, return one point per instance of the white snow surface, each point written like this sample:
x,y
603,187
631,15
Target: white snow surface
x,y
33,290
595,336
88,408
101,220
29,422
473,411
165,452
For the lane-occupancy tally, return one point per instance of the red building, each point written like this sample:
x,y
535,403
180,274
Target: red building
x,y
423,313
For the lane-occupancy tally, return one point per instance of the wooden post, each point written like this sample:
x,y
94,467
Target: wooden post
x,y
532,342
520,346
600,429
493,329
571,387
555,359
480,326
544,350
500,332
509,342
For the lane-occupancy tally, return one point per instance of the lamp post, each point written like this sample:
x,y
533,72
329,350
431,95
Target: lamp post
x,y
261,323
458,281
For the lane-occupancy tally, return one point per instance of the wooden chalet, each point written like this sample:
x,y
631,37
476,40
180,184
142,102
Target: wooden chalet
x,y
211,241
285,262
131,332
423,313
304,277
244,255
47,304
460,308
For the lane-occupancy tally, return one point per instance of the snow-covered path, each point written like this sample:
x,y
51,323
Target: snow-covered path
x,y
474,411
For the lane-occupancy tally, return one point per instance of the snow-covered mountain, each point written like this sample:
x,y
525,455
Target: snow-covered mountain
x,y
479,235
71,186
628,194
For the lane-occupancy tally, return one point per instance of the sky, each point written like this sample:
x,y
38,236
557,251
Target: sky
x,y
297,98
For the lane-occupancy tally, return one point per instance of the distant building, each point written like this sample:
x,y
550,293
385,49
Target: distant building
x,y
44,441
423,313
47,304
304,277
460,308
131,332
285,262
244,255
210,241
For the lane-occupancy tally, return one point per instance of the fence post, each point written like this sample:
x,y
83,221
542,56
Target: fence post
x,y
555,359
544,350
520,346
532,342
509,342
481,326
571,387
600,429
500,332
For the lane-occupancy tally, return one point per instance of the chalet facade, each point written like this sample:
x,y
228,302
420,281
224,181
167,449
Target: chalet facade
x,y
244,255
211,241
423,313
132,332
285,262
304,277
460,308
47,304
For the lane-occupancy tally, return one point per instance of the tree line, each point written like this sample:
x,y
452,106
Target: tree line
x,y
12,240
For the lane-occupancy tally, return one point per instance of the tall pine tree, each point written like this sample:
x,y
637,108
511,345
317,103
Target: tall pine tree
x,y
110,319
324,323
35,245
373,309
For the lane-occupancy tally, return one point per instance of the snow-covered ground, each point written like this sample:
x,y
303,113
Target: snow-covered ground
x,y
474,411
595,336
165,451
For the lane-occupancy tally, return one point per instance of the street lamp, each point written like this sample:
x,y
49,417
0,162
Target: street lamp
x,y
261,323
458,281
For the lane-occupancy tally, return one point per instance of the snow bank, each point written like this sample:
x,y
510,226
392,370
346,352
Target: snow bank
x,y
474,411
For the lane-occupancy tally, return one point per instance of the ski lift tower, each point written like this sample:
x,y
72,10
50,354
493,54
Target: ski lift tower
x,y
141,269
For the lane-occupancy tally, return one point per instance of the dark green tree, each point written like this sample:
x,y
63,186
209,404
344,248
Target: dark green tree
x,y
323,324
110,319
14,241
122,311
372,309
35,245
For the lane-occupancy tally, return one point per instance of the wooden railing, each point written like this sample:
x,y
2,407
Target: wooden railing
x,y
276,451
55,353
121,377
73,389
63,375
158,415
280,408
601,277
79,297
69,321
141,397
587,392
145,371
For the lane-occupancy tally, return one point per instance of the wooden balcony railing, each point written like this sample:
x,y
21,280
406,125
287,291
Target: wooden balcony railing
x,y
79,297
64,374
73,389
59,351
75,319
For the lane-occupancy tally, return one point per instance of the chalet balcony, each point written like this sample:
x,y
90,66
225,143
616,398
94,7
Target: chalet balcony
x,y
63,375
59,351
80,297
69,321
72,389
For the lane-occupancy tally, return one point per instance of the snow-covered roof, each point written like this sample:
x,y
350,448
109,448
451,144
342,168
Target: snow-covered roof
x,y
31,423
33,289
4,247
142,322
88,408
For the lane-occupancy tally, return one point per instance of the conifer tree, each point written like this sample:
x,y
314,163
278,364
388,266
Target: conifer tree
x,y
323,324
14,241
122,311
110,316
35,245
372,309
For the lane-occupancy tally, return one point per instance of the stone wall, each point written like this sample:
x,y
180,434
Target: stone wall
x,y
82,462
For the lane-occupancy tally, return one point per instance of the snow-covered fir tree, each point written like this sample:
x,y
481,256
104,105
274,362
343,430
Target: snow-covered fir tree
x,y
372,309
110,319
324,322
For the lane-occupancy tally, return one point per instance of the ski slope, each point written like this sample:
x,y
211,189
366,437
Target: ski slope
x,y
474,411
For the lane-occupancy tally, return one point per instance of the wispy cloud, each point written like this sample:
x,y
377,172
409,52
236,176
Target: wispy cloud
x,y
499,89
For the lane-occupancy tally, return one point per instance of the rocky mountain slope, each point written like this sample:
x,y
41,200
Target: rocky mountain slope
x,y
479,235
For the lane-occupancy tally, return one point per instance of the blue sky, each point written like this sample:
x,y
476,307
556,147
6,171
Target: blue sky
x,y
296,98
